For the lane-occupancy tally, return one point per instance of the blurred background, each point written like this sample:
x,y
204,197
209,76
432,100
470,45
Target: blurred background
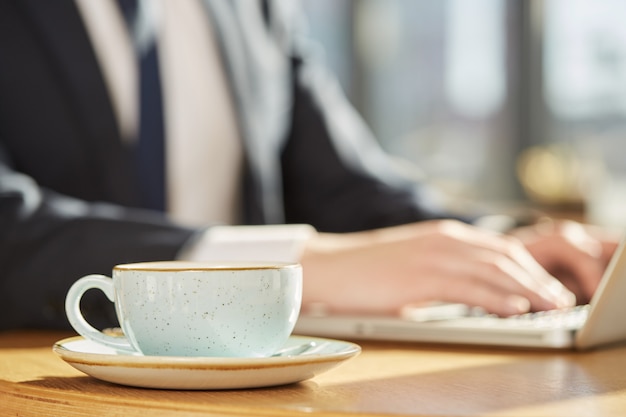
x,y
499,102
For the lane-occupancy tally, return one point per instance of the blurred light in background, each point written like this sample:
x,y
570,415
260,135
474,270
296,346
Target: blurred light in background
x,y
585,58
486,95
475,64
585,93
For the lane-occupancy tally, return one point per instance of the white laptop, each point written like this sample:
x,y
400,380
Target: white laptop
x,y
601,322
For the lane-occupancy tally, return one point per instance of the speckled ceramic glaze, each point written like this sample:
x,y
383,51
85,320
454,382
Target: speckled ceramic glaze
x,y
197,309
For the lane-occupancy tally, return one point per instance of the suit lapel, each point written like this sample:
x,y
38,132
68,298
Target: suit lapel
x,y
60,27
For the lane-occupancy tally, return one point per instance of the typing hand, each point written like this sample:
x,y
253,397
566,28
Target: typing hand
x,y
383,270
576,254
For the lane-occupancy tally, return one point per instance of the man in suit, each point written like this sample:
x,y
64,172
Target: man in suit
x,y
72,203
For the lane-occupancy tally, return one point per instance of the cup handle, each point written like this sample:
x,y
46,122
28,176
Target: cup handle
x,y
78,322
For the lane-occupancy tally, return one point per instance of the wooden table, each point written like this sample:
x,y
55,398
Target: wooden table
x,y
386,379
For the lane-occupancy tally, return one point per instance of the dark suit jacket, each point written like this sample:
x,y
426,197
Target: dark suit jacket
x,y
68,204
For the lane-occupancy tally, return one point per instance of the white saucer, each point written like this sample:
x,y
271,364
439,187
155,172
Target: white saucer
x,y
204,373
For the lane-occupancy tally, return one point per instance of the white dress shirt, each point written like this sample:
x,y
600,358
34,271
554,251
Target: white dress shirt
x,y
203,146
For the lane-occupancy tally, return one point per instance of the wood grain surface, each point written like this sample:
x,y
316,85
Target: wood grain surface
x,y
386,379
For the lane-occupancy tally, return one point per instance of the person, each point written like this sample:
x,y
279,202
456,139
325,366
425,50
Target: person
x,y
265,159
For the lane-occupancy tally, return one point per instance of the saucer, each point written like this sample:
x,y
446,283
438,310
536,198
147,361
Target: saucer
x,y
205,373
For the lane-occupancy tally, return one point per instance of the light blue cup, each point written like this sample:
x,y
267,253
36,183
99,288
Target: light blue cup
x,y
180,308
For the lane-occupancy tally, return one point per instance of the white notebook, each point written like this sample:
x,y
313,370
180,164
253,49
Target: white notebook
x,y
601,322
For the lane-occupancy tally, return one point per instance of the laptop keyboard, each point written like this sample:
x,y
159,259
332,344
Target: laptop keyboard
x,y
573,317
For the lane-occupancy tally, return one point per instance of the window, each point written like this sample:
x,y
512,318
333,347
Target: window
x,y
467,89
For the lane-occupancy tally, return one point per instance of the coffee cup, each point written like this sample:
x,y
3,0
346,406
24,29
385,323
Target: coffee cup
x,y
176,308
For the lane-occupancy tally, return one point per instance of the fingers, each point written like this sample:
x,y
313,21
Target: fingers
x,y
504,285
508,269
434,261
492,299
543,290
579,254
584,269
588,250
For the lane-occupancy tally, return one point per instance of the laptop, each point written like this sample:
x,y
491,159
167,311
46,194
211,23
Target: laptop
x,y
601,322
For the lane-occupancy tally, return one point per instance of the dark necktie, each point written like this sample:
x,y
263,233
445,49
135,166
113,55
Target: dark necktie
x,y
149,148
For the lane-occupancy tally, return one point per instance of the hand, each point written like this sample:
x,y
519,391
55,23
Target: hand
x,y
576,254
381,271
